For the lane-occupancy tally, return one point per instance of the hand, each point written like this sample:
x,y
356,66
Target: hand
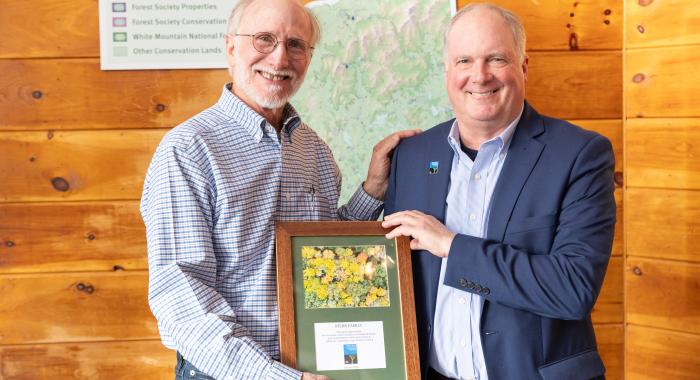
x,y
378,172
427,232
311,376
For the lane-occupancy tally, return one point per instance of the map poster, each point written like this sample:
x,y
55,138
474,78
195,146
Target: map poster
x,y
377,69
163,34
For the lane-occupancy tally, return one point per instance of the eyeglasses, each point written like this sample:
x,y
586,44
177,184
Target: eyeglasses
x,y
266,43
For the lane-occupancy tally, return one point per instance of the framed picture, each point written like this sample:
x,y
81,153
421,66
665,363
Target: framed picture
x,y
345,295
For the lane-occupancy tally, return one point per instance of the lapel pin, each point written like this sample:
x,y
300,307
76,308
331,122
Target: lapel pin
x,y
433,167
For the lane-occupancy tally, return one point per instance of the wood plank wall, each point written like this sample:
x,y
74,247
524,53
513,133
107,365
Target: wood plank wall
x,y
75,143
662,189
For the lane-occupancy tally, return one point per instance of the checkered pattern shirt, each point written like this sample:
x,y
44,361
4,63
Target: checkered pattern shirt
x,y
215,187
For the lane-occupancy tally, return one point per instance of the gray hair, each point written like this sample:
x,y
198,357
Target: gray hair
x,y
513,21
237,14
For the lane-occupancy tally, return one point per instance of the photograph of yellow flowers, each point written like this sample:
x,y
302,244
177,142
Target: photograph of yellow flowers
x,y
345,276
345,300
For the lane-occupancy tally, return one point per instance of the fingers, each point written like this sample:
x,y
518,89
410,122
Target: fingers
x,y
406,223
427,232
390,142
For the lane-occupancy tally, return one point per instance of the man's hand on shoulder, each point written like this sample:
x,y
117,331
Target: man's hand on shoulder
x,y
311,376
378,173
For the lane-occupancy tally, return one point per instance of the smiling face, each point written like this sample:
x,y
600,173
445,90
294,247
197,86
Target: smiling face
x,y
267,81
484,75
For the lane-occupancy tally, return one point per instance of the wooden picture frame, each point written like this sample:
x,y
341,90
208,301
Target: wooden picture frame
x,y
359,258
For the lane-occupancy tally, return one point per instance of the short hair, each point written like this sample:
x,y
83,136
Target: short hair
x,y
237,14
513,21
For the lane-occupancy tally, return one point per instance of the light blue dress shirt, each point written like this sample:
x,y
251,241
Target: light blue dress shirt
x,y
215,187
456,349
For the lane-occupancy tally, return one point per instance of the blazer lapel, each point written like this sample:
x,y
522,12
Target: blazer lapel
x,y
436,187
523,153
438,183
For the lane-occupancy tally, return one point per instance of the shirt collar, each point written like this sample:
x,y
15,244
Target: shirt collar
x,y
503,139
232,106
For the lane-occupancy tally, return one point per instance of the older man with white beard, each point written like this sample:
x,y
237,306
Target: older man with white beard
x,y
217,184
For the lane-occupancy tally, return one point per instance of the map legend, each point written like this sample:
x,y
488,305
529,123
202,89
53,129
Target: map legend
x,y
163,34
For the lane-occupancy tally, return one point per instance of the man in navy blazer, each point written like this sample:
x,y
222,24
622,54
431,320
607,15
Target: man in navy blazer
x,y
512,217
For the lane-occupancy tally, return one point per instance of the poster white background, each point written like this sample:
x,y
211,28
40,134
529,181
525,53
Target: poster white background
x,y
163,34
368,338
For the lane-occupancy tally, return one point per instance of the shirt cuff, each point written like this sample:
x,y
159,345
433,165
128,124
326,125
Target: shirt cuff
x,y
279,371
362,206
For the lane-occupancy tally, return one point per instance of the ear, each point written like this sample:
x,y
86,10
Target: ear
x,y
524,67
230,38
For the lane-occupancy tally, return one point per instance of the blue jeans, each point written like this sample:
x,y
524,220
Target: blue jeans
x,y
184,370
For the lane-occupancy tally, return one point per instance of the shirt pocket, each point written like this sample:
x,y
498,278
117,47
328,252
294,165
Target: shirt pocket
x,y
304,203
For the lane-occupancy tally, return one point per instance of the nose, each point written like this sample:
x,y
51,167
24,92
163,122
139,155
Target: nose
x,y
279,56
480,72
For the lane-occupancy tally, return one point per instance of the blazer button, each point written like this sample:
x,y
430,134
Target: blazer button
x,y
486,291
470,285
428,327
463,282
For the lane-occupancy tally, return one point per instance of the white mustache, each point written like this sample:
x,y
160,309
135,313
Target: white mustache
x,y
273,72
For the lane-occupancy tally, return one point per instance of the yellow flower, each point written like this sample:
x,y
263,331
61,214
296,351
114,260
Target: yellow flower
x,y
309,273
307,252
362,258
322,292
381,292
370,299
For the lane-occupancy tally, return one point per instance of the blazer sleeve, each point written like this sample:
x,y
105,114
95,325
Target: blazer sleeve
x,y
390,195
564,282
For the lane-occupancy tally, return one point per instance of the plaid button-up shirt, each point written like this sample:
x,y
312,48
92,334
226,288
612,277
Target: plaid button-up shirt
x,y
215,187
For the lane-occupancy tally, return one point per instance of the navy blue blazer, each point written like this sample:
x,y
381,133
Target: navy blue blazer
x,y
548,243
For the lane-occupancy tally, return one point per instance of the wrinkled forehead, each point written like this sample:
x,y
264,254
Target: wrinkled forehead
x,y
277,16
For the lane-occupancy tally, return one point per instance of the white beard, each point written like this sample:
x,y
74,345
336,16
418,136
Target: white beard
x,y
274,97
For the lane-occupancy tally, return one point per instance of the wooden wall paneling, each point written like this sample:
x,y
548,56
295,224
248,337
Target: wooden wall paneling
x,y
607,313
72,236
70,28
67,28
663,294
661,82
75,307
612,129
662,153
64,94
584,85
610,339
618,247
75,165
136,359
74,94
568,25
608,307
662,23
655,354
663,224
